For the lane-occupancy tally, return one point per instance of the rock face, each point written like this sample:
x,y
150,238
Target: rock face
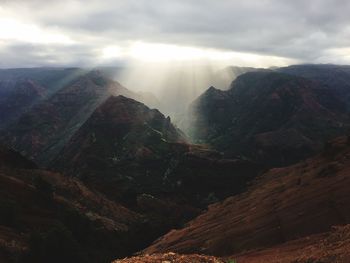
x,y
41,133
271,118
282,205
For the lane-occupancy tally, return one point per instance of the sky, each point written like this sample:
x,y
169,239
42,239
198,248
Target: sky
x,y
117,32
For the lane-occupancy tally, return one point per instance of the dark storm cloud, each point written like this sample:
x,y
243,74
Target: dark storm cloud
x,y
297,29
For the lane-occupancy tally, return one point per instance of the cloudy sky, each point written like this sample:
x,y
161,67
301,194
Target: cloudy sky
x,y
113,32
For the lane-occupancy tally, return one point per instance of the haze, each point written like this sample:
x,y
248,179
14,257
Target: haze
x,y
173,49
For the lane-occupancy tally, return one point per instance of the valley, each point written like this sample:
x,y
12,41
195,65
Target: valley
x,y
93,172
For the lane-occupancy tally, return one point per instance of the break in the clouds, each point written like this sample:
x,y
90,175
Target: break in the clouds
x,y
96,32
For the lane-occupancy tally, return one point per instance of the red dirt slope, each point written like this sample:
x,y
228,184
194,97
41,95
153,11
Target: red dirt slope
x,y
284,204
330,247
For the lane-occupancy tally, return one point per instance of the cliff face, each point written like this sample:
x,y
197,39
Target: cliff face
x,y
283,204
271,118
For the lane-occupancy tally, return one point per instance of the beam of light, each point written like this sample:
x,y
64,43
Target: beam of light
x,y
143,52
175,74
159,52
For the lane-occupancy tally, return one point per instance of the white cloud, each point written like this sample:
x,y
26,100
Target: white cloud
x,y
254,31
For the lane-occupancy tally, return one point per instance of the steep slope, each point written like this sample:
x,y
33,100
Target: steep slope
x,y
119,136
272,118
329,247
282,205
135,155
45,216
40,133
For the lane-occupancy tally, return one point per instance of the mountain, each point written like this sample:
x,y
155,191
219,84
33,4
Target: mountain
x,y
51,79
22,88
136,156
282,205
334,77
41,132
121,174
271,118
16,97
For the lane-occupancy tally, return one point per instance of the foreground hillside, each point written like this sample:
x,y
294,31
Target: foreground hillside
x,y
284,204
48,217
170,258
329,247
